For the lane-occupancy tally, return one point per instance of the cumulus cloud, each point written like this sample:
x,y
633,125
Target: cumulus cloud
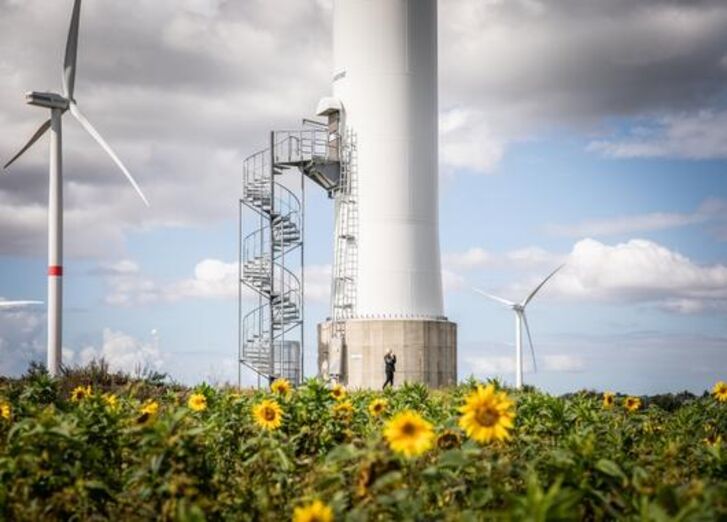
x,y
640,271
184,89
518,68
22,338
122,352
521,258
636,271
212,279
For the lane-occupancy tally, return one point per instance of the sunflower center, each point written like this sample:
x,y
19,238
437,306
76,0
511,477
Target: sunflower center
x,y
269,414
408,429
487,416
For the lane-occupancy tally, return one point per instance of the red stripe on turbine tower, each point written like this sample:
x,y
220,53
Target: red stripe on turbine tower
x,y
55,270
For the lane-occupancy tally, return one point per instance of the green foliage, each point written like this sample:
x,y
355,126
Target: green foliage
x,y
569,458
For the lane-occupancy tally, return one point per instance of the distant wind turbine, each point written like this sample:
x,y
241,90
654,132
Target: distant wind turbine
x,y
520,319
18,304
58,105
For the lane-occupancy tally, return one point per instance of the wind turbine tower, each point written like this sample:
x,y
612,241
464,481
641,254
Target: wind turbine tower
x,y
521,320
376,155
58,104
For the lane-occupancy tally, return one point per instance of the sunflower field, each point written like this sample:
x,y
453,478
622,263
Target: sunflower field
x,y
92,445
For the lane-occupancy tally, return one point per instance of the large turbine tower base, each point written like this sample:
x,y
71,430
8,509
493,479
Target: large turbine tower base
x,y
425,349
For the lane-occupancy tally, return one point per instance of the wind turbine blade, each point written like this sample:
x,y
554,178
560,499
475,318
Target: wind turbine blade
x,y
495,298
18,304
94,133
41,130
69,63
530,340
537,288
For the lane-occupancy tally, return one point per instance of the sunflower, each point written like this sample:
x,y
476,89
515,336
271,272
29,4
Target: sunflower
x,y
343,409
150,408
314,512
720,391
112,402
268,414
487,414
409,433
713,440
197,402
5,410
377,407
281,387
80,392
147,412
338,392
448,439
608,398
632,403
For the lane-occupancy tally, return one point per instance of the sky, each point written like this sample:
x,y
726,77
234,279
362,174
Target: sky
x,y
582,132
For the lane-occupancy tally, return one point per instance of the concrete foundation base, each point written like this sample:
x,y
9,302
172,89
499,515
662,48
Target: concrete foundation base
x,y
426,352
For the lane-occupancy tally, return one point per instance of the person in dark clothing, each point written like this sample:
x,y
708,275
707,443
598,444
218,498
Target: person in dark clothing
x,y
390,366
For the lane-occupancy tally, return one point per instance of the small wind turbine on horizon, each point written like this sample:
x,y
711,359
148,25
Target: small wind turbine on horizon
x,y
58,105
520,319
18,304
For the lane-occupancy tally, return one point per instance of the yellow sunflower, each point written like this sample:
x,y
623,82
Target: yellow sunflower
x,y
147,412
608,398
80,392
632,403
487,415
720,391
409,433
338,392
281,387
448,439
112,402
5,410
314,512
377,407
197,402
150,407
343,409
268,414
713,440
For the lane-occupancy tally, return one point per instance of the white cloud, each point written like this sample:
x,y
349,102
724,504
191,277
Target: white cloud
x,y
696,136
562,363
212,279
503,365
473,258
626,224
639,271
521,258
22,338
468,142
122,352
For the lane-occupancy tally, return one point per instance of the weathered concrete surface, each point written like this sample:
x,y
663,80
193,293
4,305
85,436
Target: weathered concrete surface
x,y
426,351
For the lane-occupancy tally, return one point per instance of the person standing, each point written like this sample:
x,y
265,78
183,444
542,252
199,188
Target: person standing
x,y
390,367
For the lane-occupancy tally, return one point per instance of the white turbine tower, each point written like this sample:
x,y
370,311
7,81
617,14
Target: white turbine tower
x,y
58,105
520,319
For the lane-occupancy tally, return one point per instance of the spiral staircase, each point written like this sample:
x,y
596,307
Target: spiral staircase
x,y
271,254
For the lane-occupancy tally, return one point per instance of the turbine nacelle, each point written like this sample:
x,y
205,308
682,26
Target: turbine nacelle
x,y
48,100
